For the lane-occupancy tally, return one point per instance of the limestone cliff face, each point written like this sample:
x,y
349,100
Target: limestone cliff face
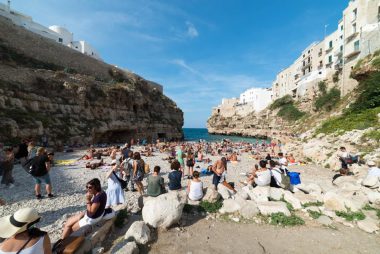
x,y
48,88
264,124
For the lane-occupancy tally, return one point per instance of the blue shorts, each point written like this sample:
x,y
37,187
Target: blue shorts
x,y
44,178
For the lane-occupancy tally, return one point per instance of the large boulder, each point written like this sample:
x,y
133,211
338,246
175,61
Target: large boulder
x,y
333,202
371,182
225,192
229,206
211,195
125,247
270,207
164,210
249,209
258,194
374,197
276,194
368,225
295,202
138,232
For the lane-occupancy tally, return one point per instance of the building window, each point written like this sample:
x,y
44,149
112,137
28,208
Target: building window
x,y
356,46
355,14
341,48
341,28
354,28
330,59
330,44
60,40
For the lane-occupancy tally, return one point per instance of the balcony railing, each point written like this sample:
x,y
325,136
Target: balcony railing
x,y
352,36
306,65
352,54
329,49
338,53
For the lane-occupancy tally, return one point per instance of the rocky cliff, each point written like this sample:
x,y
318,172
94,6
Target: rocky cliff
x,y
47,88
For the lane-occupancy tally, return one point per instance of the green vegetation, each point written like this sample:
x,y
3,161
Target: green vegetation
x,y
350,216
70,70
367,207
369,96
373,134
288,110
351,121
327,99
313,204
288,205
211,207
335,77
314,214
283,220
120,218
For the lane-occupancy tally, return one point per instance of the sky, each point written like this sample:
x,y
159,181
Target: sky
x,y
200,50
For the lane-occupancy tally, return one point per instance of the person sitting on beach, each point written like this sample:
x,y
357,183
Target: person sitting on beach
x,y
268,157
175,176
96,202
20,234
261,177
343,157
156,184
195,187
89,155
225,189
218,168
291,159
115,194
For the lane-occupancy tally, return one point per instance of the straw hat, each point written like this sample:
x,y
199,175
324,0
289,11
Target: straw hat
x,y
18,222
371,163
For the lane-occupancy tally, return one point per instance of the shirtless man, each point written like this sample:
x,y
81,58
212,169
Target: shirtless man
x,y
218,168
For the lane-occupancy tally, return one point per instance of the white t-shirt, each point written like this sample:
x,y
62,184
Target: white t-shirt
x,y
263,178
277,175
374,171
283,161
196,190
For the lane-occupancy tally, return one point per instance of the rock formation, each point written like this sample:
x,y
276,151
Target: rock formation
x,y
47,88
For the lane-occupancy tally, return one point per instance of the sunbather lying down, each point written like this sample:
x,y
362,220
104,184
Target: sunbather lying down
x,y
95,164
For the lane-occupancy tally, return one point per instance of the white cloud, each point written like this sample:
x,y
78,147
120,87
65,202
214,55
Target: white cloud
x,y
192,32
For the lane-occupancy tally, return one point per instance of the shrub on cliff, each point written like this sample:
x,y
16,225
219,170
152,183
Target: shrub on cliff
x,y
369,94
288,110
286,100
327,100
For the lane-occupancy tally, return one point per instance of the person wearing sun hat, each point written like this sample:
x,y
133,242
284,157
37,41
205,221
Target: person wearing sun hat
x,y
21,236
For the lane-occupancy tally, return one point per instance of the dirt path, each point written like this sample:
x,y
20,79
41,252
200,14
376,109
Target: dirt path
x,y
205,236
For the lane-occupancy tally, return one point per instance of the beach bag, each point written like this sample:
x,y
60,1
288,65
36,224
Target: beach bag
x,y
30,167
285,179
123,183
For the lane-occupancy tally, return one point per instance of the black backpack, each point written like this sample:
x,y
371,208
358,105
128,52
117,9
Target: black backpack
x,y
30,166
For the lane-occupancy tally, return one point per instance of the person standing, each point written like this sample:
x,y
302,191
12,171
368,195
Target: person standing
x,y
22,151
190,161
32,149
8,162
218,168
179,156
138,172
42,166
115,194
127,166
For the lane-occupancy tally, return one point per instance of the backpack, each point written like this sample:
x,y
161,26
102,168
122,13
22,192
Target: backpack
x,y
30,166
285,179
141,167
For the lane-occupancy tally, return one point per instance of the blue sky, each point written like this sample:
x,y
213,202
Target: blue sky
x,y
200,50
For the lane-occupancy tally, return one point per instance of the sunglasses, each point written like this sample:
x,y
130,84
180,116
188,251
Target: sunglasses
x,y
89,187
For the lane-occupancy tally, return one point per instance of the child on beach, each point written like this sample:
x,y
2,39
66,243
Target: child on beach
x,y
175,176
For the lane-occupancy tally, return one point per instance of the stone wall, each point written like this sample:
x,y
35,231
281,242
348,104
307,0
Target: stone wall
x,y
91,102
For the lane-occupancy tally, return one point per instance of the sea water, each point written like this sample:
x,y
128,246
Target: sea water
x,y
195,134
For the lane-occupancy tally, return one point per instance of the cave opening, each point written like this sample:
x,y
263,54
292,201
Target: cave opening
x,y
115,136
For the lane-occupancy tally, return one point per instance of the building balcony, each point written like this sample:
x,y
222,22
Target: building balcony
x,y
352,54
329,50
320,66
338,53
306,65
328,65
351,37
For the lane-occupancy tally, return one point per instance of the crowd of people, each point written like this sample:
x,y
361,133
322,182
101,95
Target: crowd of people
x,y
126,172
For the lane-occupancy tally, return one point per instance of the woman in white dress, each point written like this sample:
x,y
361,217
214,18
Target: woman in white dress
x,y
115,194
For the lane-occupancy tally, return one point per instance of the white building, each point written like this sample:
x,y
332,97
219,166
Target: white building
x,y
259,98
56,33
